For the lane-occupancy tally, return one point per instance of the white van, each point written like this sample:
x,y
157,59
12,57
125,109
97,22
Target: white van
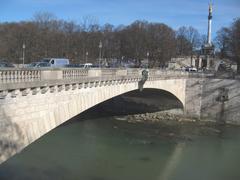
x,y
56,62
87,65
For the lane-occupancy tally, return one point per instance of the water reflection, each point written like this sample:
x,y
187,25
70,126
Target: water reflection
x,y
173,162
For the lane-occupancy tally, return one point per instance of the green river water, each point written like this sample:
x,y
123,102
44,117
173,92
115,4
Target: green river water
x,y
110,149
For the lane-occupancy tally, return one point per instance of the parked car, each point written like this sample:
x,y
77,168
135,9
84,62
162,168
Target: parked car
x,y
95,66
4,64
74,66
191,69
56,62
39,64
87,65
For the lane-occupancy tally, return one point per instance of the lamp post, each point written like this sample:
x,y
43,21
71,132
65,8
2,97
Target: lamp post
x,y
86,57
23,53
121,63
75,56
147,59
100,53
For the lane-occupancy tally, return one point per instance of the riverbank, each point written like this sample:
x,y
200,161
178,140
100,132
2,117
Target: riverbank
x,y
174,125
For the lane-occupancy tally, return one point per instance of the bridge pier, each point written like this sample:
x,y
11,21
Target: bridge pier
x,y
193,99
205,99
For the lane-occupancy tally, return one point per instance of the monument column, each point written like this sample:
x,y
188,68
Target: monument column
x,y
209,34
210,25
208,48
200,62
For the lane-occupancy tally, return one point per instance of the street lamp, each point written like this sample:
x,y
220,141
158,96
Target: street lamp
x,y
100,52
147,58
121,63
23,53
75,56
86,57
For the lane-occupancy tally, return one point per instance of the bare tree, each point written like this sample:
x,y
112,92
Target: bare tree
x,y
161,44
188,40
235,43
223,42
228,39
47,36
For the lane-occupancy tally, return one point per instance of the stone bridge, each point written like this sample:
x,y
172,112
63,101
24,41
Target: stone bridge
x,y
35,101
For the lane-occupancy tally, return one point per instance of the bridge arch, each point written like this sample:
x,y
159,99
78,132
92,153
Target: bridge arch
x,y
37,114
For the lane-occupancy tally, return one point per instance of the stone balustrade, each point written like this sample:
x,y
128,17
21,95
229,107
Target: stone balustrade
x,y
24,81
74,73
178,74
17,75
30,75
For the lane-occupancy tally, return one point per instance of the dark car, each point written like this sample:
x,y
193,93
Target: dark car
x,y
39,64
74,65
4,64
190,69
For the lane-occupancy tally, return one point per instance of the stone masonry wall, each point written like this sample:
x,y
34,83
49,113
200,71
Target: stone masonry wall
x,y
221,100
213,99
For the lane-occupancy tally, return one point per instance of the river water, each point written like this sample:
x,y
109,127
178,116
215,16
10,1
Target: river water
x,y
112,149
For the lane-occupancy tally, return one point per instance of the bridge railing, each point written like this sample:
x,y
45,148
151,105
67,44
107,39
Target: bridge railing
x,y
14,80
109,72
74,73
162,73
30,75
13,75
19,75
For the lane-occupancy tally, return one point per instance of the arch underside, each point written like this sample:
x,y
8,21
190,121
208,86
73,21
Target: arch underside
x,y
134,102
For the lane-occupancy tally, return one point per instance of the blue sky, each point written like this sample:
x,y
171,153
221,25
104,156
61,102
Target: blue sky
x,y
174,13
